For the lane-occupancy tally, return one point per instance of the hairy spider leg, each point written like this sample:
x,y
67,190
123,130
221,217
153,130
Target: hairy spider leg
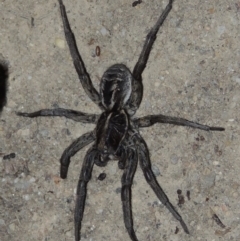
x,y
145,163
150,120
71,150
70,114
137,87
84,178
77,60
127,180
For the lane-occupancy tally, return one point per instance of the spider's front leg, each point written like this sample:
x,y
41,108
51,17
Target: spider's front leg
x,y
77,60
85,176
150,120
137,93
144,159
127,179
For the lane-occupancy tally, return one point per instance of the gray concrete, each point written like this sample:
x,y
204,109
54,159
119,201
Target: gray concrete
x,y
193,72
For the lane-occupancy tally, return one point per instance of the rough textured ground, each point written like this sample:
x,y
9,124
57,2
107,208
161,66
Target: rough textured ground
x,y
193,72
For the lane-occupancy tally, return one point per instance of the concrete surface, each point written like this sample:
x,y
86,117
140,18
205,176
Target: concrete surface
x,y
193,72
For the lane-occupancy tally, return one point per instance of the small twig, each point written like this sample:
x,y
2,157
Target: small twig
x,y
217,219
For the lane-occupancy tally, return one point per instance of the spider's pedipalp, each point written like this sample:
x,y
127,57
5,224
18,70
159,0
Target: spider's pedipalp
x,y
71,150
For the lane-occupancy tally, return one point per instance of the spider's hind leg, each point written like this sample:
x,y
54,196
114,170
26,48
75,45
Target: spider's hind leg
x,y
127,179
143,156
85,176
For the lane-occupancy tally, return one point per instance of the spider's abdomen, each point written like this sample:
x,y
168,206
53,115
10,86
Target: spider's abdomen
x,y
111,130
116,87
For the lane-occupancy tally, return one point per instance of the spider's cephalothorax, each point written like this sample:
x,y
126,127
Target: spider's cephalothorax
x,y
116,134
116,87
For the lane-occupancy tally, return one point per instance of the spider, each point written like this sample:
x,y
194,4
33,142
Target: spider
x,y
116,135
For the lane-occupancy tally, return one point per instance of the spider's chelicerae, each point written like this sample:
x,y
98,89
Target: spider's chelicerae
x,y
116,135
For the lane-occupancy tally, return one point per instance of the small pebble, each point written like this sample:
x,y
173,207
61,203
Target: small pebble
x,y
34,217
60,43
10,156
237,79
99,211
44,132
102,176
118,190
2,222
12,226
24,132
221,29
155,170
32,179
97,51
26,197
104,31
235,194
208,181
174,159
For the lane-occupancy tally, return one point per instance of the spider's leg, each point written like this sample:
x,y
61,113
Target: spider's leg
x,y
150,120
127,179
85,176
70,114
151,37
143,156
77,60
136,97
71,150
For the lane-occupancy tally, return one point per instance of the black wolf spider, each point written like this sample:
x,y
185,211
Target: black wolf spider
x,y
117,133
